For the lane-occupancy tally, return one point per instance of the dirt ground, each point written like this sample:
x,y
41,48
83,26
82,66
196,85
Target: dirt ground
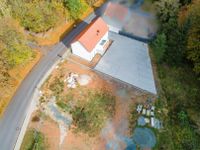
x,y
115,130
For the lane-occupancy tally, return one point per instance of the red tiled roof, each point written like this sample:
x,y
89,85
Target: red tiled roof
x,y
116,11
92,34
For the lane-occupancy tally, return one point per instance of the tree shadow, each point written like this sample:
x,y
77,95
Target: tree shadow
x,y
68,36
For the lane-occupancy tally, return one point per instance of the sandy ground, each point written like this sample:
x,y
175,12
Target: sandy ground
x,y
115,130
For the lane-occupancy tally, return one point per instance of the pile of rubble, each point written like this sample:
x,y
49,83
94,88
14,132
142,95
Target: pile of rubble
x,y
147,116
72,80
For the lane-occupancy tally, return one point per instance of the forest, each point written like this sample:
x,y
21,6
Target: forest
x,y
176,49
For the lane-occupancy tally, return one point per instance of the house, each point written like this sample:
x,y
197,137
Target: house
x,y
92,40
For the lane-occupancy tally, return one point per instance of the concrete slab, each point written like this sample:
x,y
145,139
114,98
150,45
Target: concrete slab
x,y
128,60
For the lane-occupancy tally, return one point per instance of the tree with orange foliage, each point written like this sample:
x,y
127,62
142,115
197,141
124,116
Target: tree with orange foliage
x,y
193,43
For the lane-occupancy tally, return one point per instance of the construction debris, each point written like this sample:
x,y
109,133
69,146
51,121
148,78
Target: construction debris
x,y
141,121
72,80
148,110
144,111
155,123
139,108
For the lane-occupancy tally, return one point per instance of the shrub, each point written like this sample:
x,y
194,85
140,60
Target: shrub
x,y
91,116
57,86
36,119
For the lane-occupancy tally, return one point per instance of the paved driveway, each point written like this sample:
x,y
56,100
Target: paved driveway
x,y
128,60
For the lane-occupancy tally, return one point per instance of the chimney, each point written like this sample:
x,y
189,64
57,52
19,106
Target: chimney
x,y
98,32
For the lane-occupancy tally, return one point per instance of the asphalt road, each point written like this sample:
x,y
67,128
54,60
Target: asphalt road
x,y
12,121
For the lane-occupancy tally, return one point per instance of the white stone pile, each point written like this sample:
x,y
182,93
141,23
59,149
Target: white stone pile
x,y
72,80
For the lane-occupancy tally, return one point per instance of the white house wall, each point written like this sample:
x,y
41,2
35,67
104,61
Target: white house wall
x,y
80,51
98,48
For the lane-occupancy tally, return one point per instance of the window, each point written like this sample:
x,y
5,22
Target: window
x,y
103,42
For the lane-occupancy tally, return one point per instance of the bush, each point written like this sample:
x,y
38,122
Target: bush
x,y
91,116
36,119
57,86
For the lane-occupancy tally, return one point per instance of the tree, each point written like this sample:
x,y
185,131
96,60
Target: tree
x,y
183,117
76,8
159,47
175,34
167,9
14,50
91,2
4,8
193,43
176,43
185,2
37,16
